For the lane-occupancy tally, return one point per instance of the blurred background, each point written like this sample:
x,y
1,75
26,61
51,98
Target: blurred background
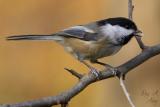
x,y
31,70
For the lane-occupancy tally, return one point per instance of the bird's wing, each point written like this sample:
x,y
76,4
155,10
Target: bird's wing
x,y
79,32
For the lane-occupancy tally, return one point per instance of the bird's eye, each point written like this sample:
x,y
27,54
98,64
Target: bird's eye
x,y
127,27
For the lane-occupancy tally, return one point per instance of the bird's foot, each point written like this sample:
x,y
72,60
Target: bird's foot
x,y
95,72
113,70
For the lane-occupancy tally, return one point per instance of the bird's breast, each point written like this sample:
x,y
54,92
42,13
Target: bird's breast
x,y
90,50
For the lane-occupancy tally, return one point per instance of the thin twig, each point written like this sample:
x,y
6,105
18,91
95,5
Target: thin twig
x,y
130,16
130,9
74,73
141,45
140,42
126,92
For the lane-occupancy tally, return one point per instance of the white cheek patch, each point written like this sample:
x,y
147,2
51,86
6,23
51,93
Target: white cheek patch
x,y
122,31
114,32
108,30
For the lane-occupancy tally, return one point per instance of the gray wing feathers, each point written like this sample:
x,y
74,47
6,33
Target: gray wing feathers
x,y
80,32
75,32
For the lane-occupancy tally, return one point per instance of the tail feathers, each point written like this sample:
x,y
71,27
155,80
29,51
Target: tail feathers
x,y
35,37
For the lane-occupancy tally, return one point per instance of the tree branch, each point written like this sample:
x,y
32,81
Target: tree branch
x,y
74,73
130,16
88,79
126,92
141,45
130,9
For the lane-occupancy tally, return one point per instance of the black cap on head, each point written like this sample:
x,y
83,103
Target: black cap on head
x,y
120,21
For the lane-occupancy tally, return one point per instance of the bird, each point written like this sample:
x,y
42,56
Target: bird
x,y
91,41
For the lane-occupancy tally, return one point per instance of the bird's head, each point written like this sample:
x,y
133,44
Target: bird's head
x,y
119,28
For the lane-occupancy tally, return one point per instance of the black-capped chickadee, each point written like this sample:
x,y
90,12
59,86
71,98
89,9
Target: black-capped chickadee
x,y
91,41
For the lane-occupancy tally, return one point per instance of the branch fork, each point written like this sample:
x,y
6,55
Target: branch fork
x,y
89,79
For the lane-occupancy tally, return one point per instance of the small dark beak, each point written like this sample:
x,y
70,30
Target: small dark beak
x,y
138,33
